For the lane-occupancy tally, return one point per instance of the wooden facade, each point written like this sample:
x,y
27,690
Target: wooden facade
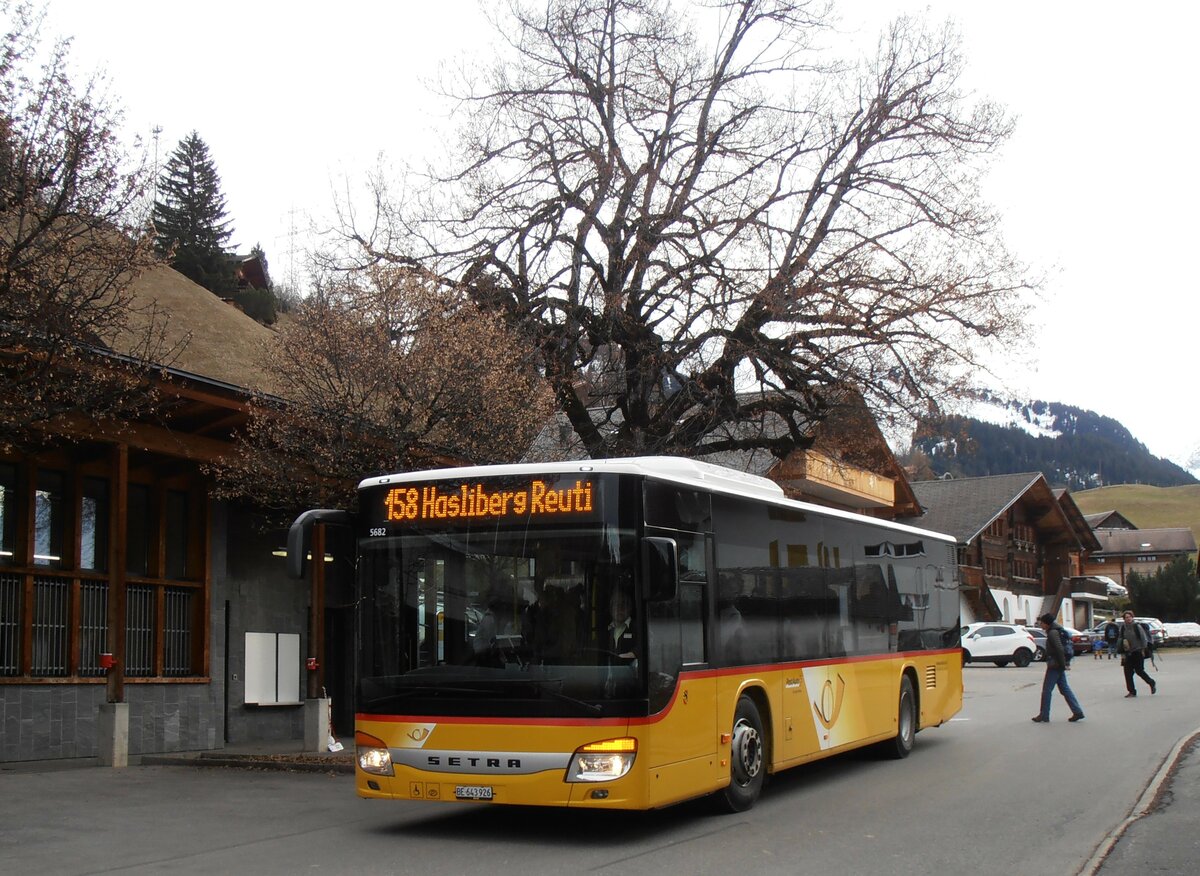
x,y
1020,544
1122,550
124,580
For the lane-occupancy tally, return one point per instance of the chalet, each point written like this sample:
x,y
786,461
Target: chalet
x,y
250,271
1123,548
1020,547
114,527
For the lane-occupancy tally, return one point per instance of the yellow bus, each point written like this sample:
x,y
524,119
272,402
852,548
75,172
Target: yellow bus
x,y
632,633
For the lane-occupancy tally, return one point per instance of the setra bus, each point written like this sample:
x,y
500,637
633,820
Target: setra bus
x,y
631,633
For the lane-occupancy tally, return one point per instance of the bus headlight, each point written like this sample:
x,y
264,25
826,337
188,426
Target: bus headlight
x,y
602,761
373,755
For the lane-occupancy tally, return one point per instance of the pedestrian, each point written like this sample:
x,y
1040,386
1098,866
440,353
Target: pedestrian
x,y
1112,636
1056,673
1135,648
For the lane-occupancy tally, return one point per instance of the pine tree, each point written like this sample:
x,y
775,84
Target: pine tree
x,y
189,217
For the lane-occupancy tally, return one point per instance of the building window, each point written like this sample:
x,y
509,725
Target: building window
x,y
177,535
48,519
137,541
55,589
11,588
1024,537
93,525
139,630
8,511
51,617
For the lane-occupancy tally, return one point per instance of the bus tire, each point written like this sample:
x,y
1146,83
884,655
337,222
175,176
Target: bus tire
x,y
747,759
901,744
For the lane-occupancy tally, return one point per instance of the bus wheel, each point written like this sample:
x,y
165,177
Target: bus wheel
x,y
747,758
906,723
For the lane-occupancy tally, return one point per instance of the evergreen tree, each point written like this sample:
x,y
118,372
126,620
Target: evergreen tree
x,y
1172,593
189,217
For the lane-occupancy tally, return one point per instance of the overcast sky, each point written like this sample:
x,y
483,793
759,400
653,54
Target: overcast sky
x,y
1097,186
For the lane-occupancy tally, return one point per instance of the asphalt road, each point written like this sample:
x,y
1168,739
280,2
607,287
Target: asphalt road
x,y
989,793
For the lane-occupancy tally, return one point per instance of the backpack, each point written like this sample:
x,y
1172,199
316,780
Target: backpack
x,y
1068,647
1149,638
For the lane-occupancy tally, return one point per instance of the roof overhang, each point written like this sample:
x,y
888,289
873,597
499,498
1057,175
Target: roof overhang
x,y
812,473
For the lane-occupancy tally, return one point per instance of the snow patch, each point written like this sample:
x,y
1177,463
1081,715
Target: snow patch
x,y
1033,419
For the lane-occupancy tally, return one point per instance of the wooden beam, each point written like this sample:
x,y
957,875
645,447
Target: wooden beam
x,y
119,532
144,436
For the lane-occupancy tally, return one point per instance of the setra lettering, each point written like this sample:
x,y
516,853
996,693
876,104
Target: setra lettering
x,y
474,761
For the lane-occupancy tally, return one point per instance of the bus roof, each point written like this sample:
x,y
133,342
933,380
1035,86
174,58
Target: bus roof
x,y
674,469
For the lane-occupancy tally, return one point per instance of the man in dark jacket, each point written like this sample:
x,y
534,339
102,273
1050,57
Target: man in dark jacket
x,y
1135,647
1056,673
1112,637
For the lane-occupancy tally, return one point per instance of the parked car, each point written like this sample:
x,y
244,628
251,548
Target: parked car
x,y
1039,639
1081,640
999,643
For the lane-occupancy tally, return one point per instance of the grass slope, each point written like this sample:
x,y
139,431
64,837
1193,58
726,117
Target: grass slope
x,y
1145,506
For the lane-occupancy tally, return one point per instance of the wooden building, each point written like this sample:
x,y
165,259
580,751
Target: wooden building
x,y
1123,548
1020,546
113,526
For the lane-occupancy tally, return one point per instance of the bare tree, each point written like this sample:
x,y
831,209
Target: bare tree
x,y
382,371
700,235
70,247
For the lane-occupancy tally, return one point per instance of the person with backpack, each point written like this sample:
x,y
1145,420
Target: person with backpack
x,y
1056,672
1112,637
1135,648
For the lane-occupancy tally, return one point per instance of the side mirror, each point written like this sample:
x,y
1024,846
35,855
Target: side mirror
x,y
660,566
299,536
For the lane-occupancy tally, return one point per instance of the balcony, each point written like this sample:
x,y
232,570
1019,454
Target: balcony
x,y
1089,589
813,474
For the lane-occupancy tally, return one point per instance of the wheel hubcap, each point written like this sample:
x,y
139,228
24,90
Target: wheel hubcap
x,y
747,752
906,721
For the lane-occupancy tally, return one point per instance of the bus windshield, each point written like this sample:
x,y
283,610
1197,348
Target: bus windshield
x,y
506,619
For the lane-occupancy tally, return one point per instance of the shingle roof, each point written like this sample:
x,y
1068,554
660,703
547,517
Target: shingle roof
x,y
1144,541
220,342
1109,520
963,507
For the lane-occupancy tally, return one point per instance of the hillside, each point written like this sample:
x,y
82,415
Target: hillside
x,y
1073,447
1146,506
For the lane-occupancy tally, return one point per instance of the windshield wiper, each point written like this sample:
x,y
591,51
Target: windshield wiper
x,y
426,689
590,708
434,689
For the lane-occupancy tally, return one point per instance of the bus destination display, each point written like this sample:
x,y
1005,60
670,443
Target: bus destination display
x,y
438,502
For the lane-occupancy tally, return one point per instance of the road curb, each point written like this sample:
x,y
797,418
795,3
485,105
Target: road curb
x,y
1143,806
249,762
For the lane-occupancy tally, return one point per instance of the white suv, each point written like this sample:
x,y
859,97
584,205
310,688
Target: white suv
x,y
998,643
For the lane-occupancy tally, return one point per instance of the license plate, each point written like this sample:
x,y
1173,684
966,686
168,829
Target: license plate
x,y
473,792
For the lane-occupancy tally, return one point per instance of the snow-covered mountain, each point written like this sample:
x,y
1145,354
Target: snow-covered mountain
x,y
1073,447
